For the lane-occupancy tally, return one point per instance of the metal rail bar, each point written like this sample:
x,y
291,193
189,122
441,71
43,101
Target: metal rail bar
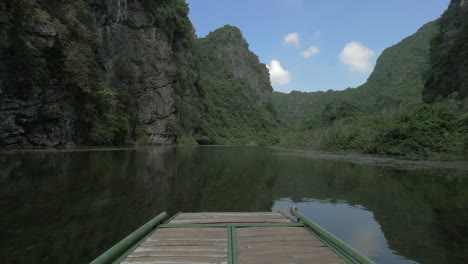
x,y
235,254
229,245
120,248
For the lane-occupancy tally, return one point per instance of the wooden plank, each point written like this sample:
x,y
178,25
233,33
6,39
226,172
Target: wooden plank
x,y
290,257
231,213
219,218
238,225
186,239
287,260
276,244
269,251
183,243
221,215
192,234
282,245
259,244
260,233
190,230
229,220
171,253
184,248
230,216
279,239
175,259
247,230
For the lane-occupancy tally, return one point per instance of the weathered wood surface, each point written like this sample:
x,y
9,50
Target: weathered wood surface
x,y
182,245
282,245
255,245
223,218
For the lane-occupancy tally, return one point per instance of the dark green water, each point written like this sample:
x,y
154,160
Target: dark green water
x,y
68,207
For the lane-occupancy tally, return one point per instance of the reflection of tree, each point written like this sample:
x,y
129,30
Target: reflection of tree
x,y
69,207
223,179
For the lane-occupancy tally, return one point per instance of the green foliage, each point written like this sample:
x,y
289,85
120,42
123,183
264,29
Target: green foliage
x,y
70,62
397,81
20,66
448,75
341,109
186,141
77,61
68,58
385,115
423,130
419,130
233,111
172,16
103,114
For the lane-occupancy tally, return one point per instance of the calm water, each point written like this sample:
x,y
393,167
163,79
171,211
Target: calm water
x,y
68,207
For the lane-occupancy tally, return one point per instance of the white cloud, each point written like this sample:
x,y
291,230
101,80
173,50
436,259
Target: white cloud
x,y
317,34
292,38
311,51
357,57
278,75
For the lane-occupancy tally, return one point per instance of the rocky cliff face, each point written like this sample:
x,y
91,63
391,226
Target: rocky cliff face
x,y
229,45
397,80
236,92
95,72
448,76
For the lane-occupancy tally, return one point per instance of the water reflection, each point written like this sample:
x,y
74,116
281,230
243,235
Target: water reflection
x,y
353,224
67,207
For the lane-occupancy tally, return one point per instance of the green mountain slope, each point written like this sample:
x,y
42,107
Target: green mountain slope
x,y
397,80
235,90
448,76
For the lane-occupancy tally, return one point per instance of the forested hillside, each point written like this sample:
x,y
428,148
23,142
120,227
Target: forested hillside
x,y
387,114
88,72
236,92
397,80
448,76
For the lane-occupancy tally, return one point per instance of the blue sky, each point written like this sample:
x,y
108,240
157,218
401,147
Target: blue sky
x,y
317,45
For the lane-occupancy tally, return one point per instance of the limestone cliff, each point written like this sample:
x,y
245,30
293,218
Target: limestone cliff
x,y
80,72
228,45
236,92
448,76
396,81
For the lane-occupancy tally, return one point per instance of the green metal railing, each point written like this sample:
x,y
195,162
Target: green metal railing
x,y
125,244
348,253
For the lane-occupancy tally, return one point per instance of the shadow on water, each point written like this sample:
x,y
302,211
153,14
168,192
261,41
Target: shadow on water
x,y
68,207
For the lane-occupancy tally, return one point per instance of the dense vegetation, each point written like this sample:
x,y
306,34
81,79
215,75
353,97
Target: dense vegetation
x,y
397,80
219,92
386,115
448,76
234,113
439,130
71,61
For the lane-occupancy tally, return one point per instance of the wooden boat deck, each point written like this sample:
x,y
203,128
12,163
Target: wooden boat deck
x,y
246,238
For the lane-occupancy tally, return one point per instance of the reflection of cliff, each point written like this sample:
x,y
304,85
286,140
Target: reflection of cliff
x,y
70,207
223,179
417,210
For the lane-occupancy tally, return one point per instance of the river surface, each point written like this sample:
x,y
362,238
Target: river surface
x,y
68,207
